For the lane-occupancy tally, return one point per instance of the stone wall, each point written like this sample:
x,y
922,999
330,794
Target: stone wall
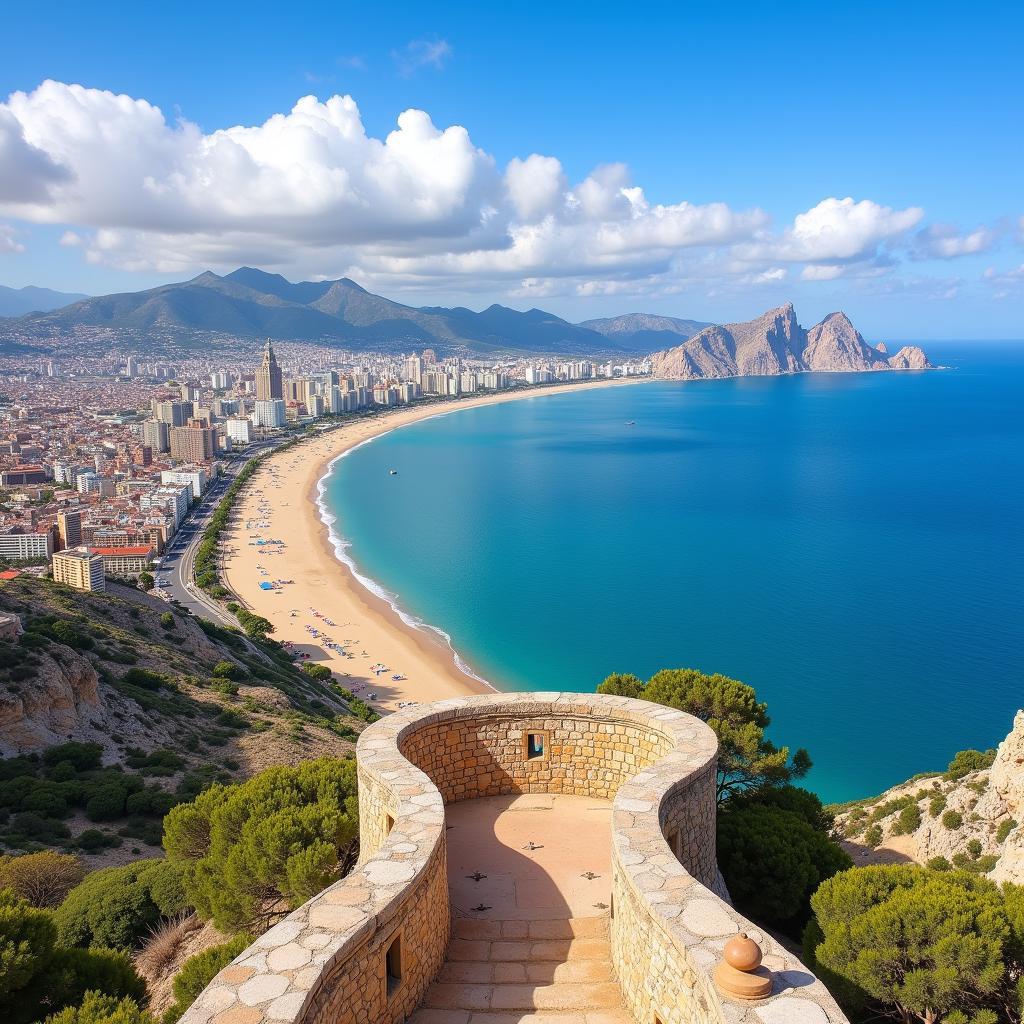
x,y
326,963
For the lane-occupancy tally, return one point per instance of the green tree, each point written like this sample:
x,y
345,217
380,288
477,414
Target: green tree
x,y
146,580
226,670
622,684
27,940
772,860
747,760
98,1008
913,943
282,835
317,671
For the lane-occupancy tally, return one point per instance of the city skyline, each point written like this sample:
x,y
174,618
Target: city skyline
x,y
721,167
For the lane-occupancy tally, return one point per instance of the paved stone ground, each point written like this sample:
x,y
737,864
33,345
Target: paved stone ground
x,y
539,951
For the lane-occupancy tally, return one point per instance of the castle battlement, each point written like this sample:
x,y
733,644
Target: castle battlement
x,y
367,950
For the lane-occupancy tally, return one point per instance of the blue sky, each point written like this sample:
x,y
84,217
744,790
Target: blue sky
x,y
691,158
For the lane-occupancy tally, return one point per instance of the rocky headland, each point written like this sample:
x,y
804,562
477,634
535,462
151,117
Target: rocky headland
x,y
775,343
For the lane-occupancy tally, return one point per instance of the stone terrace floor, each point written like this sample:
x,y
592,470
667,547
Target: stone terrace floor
x,y
530,940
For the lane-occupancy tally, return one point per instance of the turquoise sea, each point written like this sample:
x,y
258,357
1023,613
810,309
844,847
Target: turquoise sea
x,y
849,544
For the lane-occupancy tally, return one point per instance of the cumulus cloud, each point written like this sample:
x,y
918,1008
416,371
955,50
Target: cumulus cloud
x,y
1005,283
310,192
836,231
422,203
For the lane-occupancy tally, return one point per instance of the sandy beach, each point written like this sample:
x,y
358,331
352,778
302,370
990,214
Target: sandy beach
x,y
369,643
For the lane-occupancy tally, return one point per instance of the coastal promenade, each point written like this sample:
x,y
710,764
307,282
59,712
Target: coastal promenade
x,y
280,503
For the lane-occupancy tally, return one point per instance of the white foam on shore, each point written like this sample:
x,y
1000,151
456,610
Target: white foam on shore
x,y
342,546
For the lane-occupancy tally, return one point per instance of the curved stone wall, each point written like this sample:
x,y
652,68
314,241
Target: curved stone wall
x,y
328,962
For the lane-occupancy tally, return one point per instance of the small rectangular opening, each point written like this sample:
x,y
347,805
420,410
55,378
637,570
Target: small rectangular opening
x,y
393,965
535,745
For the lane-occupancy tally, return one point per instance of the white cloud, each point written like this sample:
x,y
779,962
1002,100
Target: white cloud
x,y
945,242
535,185
8,243
422,53
1005,283
311,190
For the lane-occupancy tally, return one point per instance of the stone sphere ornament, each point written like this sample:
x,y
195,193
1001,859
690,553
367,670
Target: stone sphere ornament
x,y
739,975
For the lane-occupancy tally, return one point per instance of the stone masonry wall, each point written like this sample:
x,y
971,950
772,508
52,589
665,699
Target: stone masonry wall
x,y
326,963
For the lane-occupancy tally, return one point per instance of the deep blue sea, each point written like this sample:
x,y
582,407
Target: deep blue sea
x,y
848,544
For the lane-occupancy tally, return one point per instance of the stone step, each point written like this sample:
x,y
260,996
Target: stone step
x,y
428,1015
475,972
564,996
554,950
565,928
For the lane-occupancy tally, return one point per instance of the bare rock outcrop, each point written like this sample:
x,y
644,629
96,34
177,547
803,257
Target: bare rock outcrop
x,y
910,357
836,345
775,343
1007,780
55,704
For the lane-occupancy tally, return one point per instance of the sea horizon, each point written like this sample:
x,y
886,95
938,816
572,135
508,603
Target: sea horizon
x,y
409,596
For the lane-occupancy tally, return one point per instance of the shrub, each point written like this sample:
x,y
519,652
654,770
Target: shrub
x,y
772,860
167,620
873,836
107,803
27,940
952,820
317,671
284,834
936,806
1006,826
198,971
114,907
143,679
98,1008
967,761
909,820
43,879
83,756
226,670
92,839
939,864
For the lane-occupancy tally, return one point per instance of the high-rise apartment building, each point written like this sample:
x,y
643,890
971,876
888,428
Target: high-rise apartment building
x,y
80,569
174,414
269,384
69,525
156,434
193,444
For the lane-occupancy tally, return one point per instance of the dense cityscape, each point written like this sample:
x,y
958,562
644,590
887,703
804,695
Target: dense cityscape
x,y
103,459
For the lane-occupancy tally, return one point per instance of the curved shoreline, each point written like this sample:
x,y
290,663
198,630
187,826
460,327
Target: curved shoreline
x,y
342,545
287,493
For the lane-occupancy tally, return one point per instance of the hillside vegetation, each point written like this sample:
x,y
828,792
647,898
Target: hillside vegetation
x,y
114,707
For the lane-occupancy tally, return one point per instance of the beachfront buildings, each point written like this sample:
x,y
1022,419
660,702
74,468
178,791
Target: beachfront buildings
x,y
80,568
125,561
269,413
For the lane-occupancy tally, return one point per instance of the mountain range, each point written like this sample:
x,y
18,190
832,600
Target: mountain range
x,y
250,303
18,301
775,343
253,304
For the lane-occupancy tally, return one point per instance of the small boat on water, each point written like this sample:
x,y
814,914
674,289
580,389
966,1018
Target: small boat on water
x,y
630,423
392,472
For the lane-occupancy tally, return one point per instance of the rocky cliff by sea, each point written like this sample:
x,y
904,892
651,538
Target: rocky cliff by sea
x,y
775,343
966,819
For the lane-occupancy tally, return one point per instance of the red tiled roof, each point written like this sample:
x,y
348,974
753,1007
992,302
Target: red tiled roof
x,y
9,574
143,549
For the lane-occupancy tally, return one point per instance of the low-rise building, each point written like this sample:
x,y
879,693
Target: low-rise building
x,y
126,561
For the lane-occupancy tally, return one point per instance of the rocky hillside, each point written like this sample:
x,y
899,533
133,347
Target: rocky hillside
x,y
775,343
967,817
167,703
